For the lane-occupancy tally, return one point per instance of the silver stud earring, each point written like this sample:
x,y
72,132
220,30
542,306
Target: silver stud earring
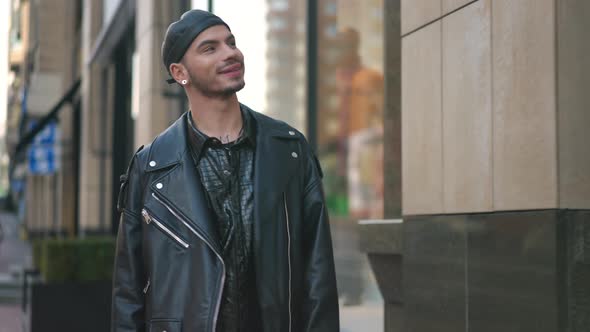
x,y
183,82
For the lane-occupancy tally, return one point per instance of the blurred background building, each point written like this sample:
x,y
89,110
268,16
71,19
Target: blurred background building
x,y
286,61
451,135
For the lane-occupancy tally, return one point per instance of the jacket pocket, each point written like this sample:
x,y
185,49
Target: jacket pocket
x,y
165,325
149,219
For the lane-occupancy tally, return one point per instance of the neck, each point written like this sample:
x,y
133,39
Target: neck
x,y
217,117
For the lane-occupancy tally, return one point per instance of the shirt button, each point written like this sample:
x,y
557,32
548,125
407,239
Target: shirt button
x,y
292,133
226,172
294,154
159,186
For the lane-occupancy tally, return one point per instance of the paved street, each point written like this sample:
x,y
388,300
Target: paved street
x,y
14,255
10,318
365,318
363,312
357,287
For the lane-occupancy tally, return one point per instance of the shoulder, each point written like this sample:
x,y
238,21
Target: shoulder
x,y
283,130
274,126
166,148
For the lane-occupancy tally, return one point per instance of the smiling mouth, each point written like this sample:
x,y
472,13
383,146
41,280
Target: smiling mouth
x,y
232,69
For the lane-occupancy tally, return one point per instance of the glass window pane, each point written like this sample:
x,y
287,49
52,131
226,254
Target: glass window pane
x,y
272,36
350,120
286,96
350,141
109,7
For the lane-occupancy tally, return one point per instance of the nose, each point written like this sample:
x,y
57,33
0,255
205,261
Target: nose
x,y
232,52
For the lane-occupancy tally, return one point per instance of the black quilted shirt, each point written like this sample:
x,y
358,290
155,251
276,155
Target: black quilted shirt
x,y
227,173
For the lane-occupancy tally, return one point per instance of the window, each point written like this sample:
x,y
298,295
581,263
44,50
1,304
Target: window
x,y
272,36
279,5
350,136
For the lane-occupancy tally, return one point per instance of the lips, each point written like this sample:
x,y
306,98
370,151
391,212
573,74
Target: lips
x,y
231,69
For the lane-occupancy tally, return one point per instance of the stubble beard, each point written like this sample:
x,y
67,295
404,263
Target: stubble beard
x,y
224,93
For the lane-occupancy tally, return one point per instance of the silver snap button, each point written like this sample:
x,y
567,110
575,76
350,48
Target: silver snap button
x,y
159,186
152,163
226,172
292,133
294,154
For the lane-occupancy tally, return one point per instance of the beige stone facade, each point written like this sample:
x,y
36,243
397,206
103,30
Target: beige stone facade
x,y
60,42
155,115
46,64
156,104
92,148
493,108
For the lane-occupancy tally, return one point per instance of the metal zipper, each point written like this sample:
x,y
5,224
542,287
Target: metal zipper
x,y
210,247
288,254
147,286
148,219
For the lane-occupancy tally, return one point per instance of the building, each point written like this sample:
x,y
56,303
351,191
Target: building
x,y
286,61
454,131
44,66
495,191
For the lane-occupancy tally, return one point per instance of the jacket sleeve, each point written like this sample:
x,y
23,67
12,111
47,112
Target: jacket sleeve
x,y
320,311
127,311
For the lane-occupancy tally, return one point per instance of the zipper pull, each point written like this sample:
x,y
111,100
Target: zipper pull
x,y
146,216
147,286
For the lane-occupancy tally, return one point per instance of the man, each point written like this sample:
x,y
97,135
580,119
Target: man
x,y
223,223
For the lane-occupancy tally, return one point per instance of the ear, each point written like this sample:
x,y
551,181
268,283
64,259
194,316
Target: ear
x,y
178,72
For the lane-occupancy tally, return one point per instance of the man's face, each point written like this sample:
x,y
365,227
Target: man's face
x,y
214,63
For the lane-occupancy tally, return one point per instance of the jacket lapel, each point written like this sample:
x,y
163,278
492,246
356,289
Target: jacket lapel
x,y
179,187
278,156
182,191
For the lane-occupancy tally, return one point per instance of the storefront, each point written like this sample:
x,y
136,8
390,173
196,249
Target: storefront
x,y
319,65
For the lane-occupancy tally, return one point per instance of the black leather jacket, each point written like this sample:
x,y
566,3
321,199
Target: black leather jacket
x,y
168,270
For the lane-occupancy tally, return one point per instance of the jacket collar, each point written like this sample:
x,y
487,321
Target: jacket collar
x,y
176,184
198,140
277,156
171,145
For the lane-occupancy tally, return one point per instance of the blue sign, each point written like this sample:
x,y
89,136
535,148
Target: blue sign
x,y
43,155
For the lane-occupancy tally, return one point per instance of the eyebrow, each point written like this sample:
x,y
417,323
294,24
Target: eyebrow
x,y
214,41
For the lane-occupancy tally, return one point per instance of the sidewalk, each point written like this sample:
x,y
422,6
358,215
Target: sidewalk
x,y
365,318
15,254
10,318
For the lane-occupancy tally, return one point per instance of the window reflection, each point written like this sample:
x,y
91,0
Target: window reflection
x,y
350,142
350,121
286,73
349,116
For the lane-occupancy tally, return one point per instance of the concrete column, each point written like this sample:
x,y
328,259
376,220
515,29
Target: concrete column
x,y
382,241
156,111
493,108
496,173
94,150
573,103
53,74
65,184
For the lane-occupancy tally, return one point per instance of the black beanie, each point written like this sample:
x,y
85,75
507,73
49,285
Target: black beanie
x,y
180,35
